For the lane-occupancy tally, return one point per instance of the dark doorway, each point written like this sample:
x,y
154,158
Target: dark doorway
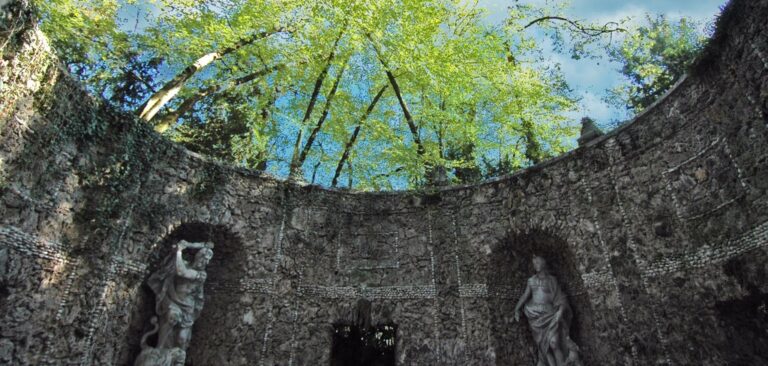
x,y
356,346
745,320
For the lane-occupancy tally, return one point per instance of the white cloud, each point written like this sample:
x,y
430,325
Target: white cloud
x,y
593,106
591,78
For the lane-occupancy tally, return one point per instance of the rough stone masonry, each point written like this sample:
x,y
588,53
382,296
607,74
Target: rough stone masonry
x,y
658,231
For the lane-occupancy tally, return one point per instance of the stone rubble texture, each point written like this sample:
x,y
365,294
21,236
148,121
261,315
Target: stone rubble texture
x,y
658,232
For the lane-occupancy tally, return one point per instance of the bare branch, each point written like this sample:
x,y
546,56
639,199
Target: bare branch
x,y
609,27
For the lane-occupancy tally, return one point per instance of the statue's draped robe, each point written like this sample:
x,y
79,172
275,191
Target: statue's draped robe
x,y
167,299
541,318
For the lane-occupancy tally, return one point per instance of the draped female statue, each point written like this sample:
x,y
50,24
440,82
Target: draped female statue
x,y
549,316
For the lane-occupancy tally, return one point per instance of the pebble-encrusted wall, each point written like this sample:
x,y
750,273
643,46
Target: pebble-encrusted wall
x,y
658,231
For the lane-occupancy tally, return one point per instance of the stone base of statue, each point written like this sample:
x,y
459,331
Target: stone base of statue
x,y
151,356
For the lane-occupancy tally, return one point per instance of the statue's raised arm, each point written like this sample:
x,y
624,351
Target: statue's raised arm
x,y
194,245
181,268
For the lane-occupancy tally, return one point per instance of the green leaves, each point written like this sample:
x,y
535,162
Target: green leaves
x,y
477,97
653,57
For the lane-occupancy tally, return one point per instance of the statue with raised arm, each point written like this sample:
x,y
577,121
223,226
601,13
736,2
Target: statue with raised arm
x,y
178,287
549,316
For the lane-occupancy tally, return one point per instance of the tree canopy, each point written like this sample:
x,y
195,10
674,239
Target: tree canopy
x,y
653,57
360,94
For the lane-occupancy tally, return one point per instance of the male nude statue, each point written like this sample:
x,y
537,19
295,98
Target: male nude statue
x,y
178,288
549,316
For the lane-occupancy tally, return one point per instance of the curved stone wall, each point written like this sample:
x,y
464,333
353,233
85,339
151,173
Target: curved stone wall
x,y
658,232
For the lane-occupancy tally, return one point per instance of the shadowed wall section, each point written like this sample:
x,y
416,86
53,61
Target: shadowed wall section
x,y
658,231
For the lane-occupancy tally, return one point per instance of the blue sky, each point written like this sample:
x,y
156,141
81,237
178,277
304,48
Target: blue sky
x,y
590,78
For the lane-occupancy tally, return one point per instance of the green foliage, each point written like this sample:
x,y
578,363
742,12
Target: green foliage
x,y
480,101
3,175
654,56
235,128
87,36
131,83
211,177
118,174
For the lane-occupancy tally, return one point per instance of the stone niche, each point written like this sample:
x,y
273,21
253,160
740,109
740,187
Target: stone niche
x,y
509,268
657,231
222,293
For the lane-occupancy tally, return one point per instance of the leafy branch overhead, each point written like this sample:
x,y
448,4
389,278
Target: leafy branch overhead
x,y
407,93
653,57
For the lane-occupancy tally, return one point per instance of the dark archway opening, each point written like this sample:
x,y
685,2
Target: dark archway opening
x,y
745,320
510,266
357,346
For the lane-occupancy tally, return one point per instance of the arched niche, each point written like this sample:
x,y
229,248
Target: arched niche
x,y
216,321
509,267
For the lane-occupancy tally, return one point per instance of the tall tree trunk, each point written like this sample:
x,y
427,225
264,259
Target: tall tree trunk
x,y
153,105
438,174
420,149
266,113
406,113
403,105
355,133
170,118
532,146
349,178
262,156
323,116
295,168
167,120
314,171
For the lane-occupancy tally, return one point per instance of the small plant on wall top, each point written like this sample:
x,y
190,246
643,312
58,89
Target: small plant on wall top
x,y
210,177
